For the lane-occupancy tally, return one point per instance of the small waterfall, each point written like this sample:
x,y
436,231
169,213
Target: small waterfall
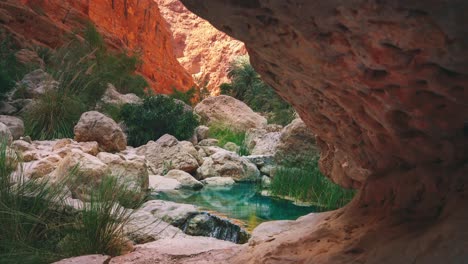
x,y
206,224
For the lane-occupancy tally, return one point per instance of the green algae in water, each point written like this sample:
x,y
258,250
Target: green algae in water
x,y
240,201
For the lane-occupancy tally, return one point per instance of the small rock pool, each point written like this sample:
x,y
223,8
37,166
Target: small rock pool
x,y
241,201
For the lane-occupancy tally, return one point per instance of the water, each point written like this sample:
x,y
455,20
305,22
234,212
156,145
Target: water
x,y
240,201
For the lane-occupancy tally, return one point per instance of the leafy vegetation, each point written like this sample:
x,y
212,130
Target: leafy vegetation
x,y
83,69
247,86
158,115
10,69
38,227
224,135
187,97
307,184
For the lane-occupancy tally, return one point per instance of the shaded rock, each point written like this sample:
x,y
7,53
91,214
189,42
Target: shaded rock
x,y
5,134
186,180
7,109
218,181
210,150
15,125
160,183
112,96
261,141
94,126
265,163
266,181
202,132
35,84
29,57
208,142
88,259
230,112
205,224
296,144
228,164
167,153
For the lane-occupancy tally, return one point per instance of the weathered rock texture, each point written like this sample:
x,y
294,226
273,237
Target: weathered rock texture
x,y
134,25
204,51
383,85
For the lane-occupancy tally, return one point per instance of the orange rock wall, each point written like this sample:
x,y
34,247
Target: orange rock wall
x,y
133,25
204,51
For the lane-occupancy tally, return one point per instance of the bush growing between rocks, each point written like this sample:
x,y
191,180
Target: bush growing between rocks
x,y
83,69
247,86
158,115
10,69
224,135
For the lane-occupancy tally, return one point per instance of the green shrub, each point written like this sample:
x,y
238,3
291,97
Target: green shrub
x,y
158,115
307,184
186,97
247,86
54,115
224,135
83,70
10,69
37,227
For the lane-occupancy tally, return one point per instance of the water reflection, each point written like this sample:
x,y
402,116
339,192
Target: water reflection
x,y
240,201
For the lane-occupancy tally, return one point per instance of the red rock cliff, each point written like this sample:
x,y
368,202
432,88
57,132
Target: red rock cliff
x,y
383,84
134,25
204,51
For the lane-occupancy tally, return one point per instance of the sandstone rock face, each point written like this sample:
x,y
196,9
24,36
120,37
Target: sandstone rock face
x,y
204,51
88,259
130,169
383,86
228,164
296,143
228,111
15,125
94,126
167,153
120,23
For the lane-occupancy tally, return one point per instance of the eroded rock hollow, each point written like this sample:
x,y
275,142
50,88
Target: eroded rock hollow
x,y
383,84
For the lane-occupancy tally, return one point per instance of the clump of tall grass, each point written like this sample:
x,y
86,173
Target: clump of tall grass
x,y
224,135
307,184
37,226
83,68
10,69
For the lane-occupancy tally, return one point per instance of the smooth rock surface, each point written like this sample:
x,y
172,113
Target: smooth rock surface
x,y
230,112
15,125
218,181
167,153
186,180
228,164
94,126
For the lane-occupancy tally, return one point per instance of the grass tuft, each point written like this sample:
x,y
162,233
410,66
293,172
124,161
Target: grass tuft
x,y
307,184
224,135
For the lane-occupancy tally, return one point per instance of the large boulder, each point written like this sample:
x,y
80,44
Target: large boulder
x,y
261,141
94,126
296,143
35,84
113,97
88,172
186,180
160,183
228,164
202,132
167,153
218,181
130,169
230,112
15,125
